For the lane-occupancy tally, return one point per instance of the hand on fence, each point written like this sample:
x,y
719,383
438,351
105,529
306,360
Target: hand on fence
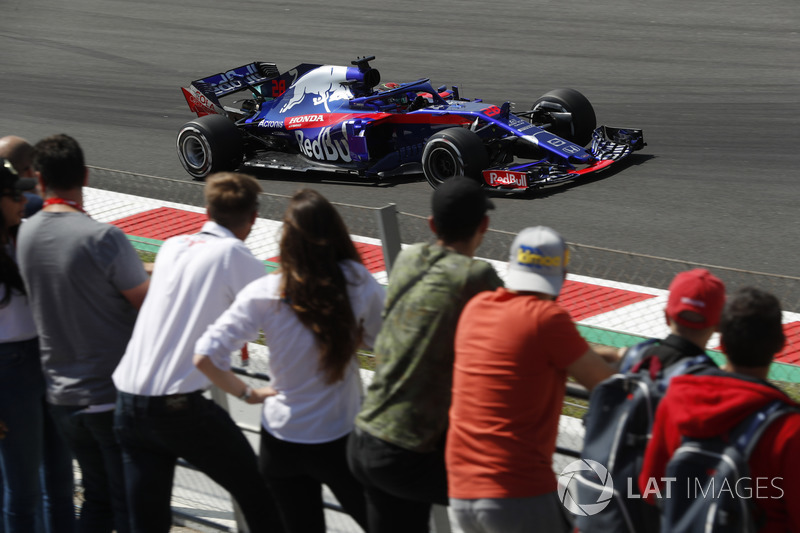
x,y
610,354
260,394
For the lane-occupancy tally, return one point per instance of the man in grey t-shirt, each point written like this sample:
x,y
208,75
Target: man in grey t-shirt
x,y
85,284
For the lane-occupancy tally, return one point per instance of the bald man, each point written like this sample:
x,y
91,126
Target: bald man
x,y
20,153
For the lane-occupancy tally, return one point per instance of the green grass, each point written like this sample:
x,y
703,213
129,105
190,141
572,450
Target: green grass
x,y
146,257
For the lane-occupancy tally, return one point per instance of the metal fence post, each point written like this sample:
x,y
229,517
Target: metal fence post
x,y
221,397
390,234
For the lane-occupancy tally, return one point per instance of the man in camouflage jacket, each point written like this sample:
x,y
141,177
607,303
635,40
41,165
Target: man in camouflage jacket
x,y
397,449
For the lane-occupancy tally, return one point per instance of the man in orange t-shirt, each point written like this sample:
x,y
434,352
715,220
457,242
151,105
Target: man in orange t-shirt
x,y
514,349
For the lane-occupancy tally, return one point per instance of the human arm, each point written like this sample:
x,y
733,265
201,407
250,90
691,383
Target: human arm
x,y
123,267
237,325
610,354
590,369
568,350
230,382
136,295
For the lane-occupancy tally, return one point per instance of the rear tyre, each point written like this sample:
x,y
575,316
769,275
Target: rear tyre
x,y
209,144
571,114
454,152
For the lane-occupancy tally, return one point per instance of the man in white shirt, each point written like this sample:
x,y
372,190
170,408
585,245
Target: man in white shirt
x,y
161,412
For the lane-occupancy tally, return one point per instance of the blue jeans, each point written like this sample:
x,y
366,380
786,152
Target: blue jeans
x,y
33,455
91,439
154,431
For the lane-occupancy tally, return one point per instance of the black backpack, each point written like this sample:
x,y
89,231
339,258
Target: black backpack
x,y
618,426
712,491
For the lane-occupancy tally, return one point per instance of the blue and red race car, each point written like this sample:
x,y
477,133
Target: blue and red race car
x,y
342,119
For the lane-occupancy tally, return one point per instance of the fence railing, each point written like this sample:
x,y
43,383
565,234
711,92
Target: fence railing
x,y
621,287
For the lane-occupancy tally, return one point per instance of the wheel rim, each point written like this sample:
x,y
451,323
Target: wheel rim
x,y
194,152
442,164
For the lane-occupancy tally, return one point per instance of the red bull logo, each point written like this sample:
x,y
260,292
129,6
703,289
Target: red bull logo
x,y
323,85
328,146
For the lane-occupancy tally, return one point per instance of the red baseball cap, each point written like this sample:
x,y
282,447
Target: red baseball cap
x,y
699,292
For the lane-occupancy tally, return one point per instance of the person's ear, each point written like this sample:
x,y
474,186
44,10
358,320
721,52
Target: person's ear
x,y
38,176
432,224
484,227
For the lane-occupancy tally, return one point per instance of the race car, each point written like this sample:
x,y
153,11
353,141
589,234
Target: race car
x,y
343,119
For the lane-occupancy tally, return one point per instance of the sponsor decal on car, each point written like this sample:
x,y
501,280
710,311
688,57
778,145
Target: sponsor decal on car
x,y
323,85
519,124
232,80
304,120
199,103
328,146
270,124
505,178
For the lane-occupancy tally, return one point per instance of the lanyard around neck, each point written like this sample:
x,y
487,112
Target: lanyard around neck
x,y
61,201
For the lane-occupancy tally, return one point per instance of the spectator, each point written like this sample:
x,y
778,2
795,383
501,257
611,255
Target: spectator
x,y
314,313
514,348
85,283
32,441
695,302
162,414
619,420
20,153
712,403
397,449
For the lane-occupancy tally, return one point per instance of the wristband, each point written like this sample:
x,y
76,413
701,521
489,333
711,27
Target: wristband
x,y
245,395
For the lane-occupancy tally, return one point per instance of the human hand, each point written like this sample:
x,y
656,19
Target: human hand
x,y
3,429
260,394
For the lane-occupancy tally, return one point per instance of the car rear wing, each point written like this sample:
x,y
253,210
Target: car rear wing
x,y
237,79
203,95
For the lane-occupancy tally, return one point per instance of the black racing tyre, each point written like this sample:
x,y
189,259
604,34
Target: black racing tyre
x,y
209,144
454,152
572,113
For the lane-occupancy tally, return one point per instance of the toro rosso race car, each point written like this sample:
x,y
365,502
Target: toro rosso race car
x,y
342,119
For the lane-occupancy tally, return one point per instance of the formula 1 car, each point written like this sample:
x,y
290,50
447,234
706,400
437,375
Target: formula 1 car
x,y
342,119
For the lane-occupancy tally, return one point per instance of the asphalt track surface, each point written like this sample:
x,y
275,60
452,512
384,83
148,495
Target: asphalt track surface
x,y
713,84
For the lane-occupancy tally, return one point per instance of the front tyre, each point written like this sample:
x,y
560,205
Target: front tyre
x,y
209,144
570,113
454,152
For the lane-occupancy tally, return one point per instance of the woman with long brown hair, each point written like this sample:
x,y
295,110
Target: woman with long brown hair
x,y
315,311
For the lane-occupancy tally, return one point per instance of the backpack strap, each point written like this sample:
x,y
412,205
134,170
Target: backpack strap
x,y
635,356
746,435
689,365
